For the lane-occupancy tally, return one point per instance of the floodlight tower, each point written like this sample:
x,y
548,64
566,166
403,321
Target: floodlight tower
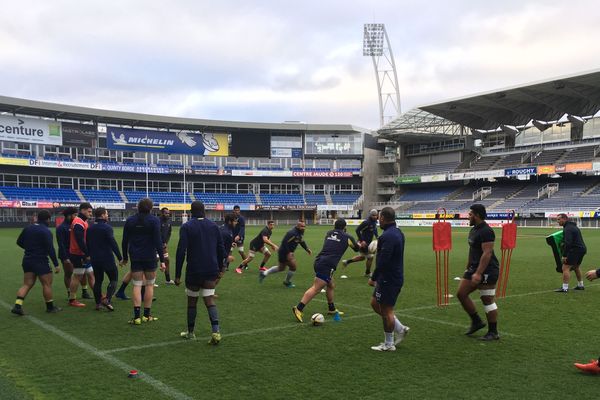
x,y
376,45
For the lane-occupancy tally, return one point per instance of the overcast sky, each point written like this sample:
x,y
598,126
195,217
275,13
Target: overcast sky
x,y
273,61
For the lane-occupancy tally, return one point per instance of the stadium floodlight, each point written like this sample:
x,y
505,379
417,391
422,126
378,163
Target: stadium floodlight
x,y
376,45
509,129
576,120
541,125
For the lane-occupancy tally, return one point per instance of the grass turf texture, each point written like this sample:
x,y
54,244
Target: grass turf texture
x,y
266,354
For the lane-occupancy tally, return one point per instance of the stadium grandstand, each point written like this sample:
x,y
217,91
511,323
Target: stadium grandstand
x,y
534,149
55,155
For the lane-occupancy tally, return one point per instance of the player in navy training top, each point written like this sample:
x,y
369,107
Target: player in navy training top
x,y
335,245
227,235
285,254
201,242
239,232
388,279
259,244
63,236
481,273
36,240
365,233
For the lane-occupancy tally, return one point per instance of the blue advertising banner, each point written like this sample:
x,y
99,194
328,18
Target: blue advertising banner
x,y
520,171
126,139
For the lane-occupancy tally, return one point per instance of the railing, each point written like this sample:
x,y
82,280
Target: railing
x,y
386,178
482,193
548,190
386,160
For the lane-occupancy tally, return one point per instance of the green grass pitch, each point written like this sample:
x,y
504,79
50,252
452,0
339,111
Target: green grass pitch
x,y
85,354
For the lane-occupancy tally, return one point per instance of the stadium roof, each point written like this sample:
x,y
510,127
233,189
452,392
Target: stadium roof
x,y
516,106
18,106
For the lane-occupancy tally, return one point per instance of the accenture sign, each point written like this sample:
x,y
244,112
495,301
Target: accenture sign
x,y
29,130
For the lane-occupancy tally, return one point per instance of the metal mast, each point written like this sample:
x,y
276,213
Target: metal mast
x,y
376,45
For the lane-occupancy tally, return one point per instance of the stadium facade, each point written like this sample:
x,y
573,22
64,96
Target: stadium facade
x,y
533,148
55,155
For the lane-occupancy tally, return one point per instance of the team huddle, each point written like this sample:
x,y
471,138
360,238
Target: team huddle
x,y
87,253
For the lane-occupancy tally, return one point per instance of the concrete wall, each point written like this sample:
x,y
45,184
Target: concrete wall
x,y
370,173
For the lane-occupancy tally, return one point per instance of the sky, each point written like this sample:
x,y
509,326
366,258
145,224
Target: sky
x,y
275,61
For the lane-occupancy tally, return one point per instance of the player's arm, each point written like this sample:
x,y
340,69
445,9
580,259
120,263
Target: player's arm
x,y
113,243
568,238
62,249
375,230
359,231
158,244
221,254
488,250
592,274
125,243
169,231
181,249
268,242
79,234
21,239
352,243
305,247
384,258
242,231
50,249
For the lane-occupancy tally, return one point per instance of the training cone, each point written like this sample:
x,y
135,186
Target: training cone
x,y
337,317
133,373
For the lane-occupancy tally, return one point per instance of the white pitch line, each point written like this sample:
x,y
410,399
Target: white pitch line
x,y
165,389
226,335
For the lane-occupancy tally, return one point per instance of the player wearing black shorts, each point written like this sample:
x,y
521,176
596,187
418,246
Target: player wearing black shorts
x,y
285,254
239,232
165,235
481,273
63,237
36,240
102,245
201,241
573,253
335,245
365,233
259,245
388,279
142,242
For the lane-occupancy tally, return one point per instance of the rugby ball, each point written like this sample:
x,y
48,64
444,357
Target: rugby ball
x,y
373,247
317,319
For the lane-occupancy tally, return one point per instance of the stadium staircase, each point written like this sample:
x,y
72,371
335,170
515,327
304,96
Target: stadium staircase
x,y
81,196
258,199
458,192
192,197
123,197
2,196
587,191
358,204
328,199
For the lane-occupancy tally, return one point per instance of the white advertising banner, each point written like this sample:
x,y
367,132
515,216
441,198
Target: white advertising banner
x,y
109,206
495,173
433,178
30,130
333,207
456,176
596,166
64,164
246,172
453,222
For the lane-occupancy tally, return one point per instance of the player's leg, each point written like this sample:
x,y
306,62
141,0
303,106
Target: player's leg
x,y
291,263
580,285
193,292
85,294
244,264
113,275
28,282
98,280
329,293
67,276
318,284
208,291
168,280
121,292
369,263
487,293
354,259
280,267
149,279
76,279
46,281
382,302
465,288
240,249
266,257
137,278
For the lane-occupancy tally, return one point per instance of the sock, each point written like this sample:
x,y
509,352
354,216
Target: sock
x,y
493,327
110,290
389,337
580,283
241,266
19,302
191,318
349,262
301,306
565,286
123,287
331,306
262,264
213,314
272,270
49,304
475,319
289,276
136,312
398,327
167,276
146,312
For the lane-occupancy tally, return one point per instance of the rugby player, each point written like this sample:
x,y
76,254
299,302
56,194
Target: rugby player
x,y
79,256
258,245
574,252
63,233
165,235
239,232
365,233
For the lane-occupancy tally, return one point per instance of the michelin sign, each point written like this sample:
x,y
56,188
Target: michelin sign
x,y
30,130
209,144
